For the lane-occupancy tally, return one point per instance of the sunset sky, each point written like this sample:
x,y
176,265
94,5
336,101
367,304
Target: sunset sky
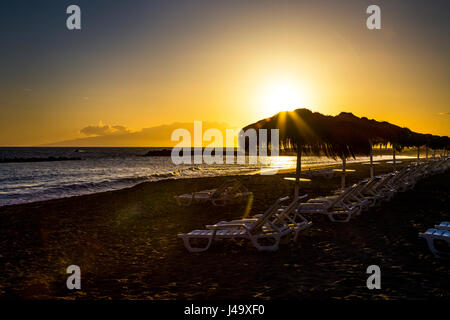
x,y
142,64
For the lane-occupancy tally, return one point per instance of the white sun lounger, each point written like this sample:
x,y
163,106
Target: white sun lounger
x,y
443,226
285,215
353,199
381,190
368,191
334,207
436,234
357,199
231,191
252,231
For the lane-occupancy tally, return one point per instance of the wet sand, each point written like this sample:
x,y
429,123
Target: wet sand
x,y
125,243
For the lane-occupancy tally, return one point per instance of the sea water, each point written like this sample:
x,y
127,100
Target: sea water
x,y
105,169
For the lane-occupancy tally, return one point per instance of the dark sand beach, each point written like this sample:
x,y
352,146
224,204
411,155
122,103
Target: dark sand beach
x,y
126,245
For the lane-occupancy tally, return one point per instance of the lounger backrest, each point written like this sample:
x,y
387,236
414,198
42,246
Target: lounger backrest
x,y
344,195
385,179
365,184
399,175
358,187
409,174
266,215
287,213
370,184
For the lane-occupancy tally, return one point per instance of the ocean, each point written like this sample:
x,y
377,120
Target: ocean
x,y
105,169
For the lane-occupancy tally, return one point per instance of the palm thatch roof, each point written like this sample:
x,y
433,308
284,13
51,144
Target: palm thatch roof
x,y
439,143
301,129
343,135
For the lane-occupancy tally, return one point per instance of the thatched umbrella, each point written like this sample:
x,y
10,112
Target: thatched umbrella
x,y
372,126
437,143
316,134
441,143
382,133
349,138
343,136
396,136
300,130
375,132
428,138
417,140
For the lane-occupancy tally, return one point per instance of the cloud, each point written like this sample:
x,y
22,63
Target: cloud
x,y
103,129
444,113
120,129
103,135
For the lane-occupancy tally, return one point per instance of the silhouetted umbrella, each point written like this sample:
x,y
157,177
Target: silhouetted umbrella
x,y
316,134
428,138
440,143
302,131
417,140
343,136
394,135
349,138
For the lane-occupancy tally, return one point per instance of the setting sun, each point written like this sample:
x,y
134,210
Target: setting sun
x,y
283,95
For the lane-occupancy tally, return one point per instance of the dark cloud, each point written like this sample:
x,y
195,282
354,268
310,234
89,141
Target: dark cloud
x,y
103,129
120,129
103,135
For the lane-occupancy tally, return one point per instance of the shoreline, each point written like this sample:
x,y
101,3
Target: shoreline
x,y
246,173
306,170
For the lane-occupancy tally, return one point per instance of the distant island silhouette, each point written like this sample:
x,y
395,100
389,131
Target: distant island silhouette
x,y
13,160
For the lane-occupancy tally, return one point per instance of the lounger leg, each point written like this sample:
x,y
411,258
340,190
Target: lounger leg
x,y
189,202
331,217
273,247
430,242
188,246
297,232
184,202
218,202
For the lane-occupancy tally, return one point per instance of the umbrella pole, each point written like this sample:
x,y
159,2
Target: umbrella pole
x,y
393,147
426,152
418,154
371,161
297,174
344,162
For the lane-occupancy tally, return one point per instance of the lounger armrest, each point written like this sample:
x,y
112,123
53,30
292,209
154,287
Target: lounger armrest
x,y
312,204
228,225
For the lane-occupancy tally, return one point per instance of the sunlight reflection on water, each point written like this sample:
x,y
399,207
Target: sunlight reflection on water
x,y
104,169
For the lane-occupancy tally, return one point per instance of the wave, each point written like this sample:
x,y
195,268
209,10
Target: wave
x,y
16,194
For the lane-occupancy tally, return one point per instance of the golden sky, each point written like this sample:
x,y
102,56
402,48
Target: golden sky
x,y
145,64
